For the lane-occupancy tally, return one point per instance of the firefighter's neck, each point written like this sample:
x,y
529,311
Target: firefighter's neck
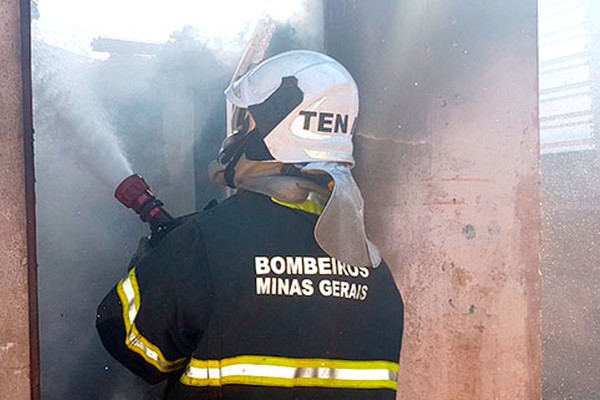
x,y
269,179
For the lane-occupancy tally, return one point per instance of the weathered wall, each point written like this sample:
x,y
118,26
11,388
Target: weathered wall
x,y
448,159
15,367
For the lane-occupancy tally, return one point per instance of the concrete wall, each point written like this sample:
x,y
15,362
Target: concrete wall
x,y
448,160
15,365
570,259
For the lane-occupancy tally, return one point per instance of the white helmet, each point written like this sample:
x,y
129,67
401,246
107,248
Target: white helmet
x,y
304,106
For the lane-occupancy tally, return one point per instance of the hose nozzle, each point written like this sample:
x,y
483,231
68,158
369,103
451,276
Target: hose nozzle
x,y
135,193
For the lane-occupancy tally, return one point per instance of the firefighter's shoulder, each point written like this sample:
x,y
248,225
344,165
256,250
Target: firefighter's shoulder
x,y
210,210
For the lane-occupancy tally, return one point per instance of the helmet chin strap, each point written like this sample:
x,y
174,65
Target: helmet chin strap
x,y
233,149
229,173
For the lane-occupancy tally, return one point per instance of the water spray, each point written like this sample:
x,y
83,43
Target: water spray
x,y
133,192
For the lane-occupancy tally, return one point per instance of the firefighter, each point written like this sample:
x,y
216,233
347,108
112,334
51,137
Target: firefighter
x,y
275,293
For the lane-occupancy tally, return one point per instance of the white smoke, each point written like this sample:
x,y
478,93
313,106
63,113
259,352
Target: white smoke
x,y
64,102
224,24
67,113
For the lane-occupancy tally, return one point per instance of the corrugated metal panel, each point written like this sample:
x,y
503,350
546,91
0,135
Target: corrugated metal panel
x,y
565,86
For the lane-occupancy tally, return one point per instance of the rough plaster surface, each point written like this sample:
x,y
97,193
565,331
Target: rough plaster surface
x,y
14,313
448,161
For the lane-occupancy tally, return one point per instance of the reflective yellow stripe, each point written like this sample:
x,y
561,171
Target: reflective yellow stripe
x,y
308,206
307,362
291,372
129,293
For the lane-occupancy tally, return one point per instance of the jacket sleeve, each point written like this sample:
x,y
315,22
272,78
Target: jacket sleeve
x,y
153,318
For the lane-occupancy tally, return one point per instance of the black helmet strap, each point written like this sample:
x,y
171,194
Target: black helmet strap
x,y
267,115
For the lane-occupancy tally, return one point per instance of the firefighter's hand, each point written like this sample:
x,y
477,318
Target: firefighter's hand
x,y
142,251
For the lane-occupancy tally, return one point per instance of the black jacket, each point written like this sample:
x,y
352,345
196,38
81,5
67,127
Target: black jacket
x,y
240,302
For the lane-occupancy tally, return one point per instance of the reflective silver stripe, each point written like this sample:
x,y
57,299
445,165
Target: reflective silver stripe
x,y
276,371
290,373
203,373
347,374
130,293
135,341
264,371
